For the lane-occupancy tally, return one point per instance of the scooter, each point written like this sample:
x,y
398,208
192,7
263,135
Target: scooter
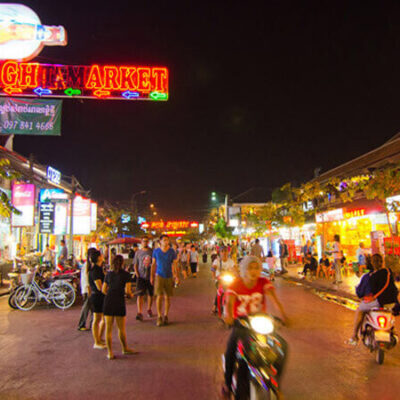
x,y
377,332
260,358
223,282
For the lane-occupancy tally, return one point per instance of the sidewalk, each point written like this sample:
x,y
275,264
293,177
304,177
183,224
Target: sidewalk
x,y
345,290
5,288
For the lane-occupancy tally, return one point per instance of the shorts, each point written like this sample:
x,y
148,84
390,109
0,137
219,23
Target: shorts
x,y
97,302
365,307
183,265
163,286
144,287
193,267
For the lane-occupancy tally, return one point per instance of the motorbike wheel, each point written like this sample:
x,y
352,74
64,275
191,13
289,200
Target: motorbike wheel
x,y
25,297
11,301
379,356
63,295
258,393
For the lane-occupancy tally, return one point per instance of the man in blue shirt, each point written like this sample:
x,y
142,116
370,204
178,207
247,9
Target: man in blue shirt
x,y
163,274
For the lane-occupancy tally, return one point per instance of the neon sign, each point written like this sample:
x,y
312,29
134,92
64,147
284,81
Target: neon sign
x,y
53,175
101,82
170,225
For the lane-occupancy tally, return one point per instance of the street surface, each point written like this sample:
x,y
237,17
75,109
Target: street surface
x,y
44,356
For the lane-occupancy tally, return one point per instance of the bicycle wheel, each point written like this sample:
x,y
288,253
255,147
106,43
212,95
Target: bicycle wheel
x,y
11,301
26,297
63,295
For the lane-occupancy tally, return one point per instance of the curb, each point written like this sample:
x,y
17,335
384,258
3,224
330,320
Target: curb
x,y
339,297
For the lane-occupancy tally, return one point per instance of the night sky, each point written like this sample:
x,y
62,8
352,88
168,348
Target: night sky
x,y
261,93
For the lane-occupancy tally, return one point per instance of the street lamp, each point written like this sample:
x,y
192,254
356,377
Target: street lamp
x,y
151,205
154,213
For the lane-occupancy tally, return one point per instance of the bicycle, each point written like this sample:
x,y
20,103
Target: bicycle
x,y
60,293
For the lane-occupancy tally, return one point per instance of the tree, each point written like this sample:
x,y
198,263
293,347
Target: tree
x,y
6,207
222,230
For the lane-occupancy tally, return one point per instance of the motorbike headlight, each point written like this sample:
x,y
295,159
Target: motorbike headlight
x,y
262,325
227,278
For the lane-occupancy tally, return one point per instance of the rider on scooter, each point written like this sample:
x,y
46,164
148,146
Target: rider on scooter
x,y
376,289
221,264
246,296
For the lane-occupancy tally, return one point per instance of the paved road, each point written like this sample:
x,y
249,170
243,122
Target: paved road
x,y
45,357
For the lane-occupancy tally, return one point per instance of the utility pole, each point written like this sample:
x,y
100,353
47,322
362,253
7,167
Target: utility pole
x,y
226,209
71,216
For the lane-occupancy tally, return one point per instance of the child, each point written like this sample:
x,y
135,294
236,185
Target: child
x,y
270,260
246,296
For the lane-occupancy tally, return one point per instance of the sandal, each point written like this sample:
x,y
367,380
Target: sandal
x,y
352,342
130,352
112,357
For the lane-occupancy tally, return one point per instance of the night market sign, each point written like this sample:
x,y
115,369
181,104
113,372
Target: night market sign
x,y
93,82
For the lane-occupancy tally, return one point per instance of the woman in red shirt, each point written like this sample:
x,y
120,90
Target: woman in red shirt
x,y
246,296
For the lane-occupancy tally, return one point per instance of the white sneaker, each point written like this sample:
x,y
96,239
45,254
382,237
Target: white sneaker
x,y
99,346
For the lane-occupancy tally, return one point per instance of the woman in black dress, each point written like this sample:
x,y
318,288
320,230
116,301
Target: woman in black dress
x,y
96,279
117,282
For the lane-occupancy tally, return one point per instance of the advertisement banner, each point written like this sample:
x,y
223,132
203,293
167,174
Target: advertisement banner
x,y
30,117
82,221
23,199
46,217
61,218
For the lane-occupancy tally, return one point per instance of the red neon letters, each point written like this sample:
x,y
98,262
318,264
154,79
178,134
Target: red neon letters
x,y
109,81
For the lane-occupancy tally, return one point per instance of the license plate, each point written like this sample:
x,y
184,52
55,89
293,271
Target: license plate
x,y
382,336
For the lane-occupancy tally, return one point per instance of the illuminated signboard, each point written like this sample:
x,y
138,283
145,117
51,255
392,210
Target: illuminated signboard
x,y
329,216
52,195
93,216
53,175
170,225
95,81
23,199
22,36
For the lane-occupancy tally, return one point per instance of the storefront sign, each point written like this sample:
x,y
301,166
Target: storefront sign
x,y
172,225
23,199
354,213
46,217
329,216
61,218
93,216
30,117
52,195
22,36
53,175
95,81
82,221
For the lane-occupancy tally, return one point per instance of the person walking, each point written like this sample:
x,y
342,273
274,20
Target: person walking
x,y
270,260
96,279
337,255
116,283
62,254
182,260
194,260
85,291
257,250
142,266
283,255
163,274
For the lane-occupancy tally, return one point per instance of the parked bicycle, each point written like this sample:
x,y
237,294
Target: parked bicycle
x,y
35,288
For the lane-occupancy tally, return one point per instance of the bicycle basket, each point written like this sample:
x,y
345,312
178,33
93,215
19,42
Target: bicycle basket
x,y
26,278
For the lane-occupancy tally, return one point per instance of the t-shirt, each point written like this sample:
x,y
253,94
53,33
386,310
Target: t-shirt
x,y
143,261
271,262
378,281
249,300
94,274
194,256
164,262
183,256
221,266
116,282
257,250
63,255
336,251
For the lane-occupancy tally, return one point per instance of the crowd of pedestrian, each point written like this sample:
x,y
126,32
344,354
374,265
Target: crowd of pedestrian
x,y
157,270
